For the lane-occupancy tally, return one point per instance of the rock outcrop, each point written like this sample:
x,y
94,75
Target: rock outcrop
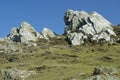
x,y
104,73
26,33
80,24
47,33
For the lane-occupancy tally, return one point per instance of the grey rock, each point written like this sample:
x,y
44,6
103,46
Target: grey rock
x,y
24,33
47,33
104,73
15,74
105,70
77,38
105,34
87,24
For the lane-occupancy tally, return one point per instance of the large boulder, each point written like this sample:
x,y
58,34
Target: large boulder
x,y
80,22
24,33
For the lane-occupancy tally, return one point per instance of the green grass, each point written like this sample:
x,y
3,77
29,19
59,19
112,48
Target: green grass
x,y
61,61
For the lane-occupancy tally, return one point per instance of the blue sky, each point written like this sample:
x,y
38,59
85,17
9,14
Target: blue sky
x,y
49,13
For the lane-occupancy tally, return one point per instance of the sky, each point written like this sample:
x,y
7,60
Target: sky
x,y
49,13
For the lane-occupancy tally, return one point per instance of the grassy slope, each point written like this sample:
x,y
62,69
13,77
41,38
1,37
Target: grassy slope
x,y
62,62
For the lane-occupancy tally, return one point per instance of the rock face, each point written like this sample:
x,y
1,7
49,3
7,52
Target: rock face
x,y
26,33
104,73
80,24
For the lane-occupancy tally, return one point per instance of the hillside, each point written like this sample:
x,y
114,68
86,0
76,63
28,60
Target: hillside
x,y
59,61
88,50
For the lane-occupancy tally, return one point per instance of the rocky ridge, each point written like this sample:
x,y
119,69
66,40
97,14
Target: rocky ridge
x,y
81,27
